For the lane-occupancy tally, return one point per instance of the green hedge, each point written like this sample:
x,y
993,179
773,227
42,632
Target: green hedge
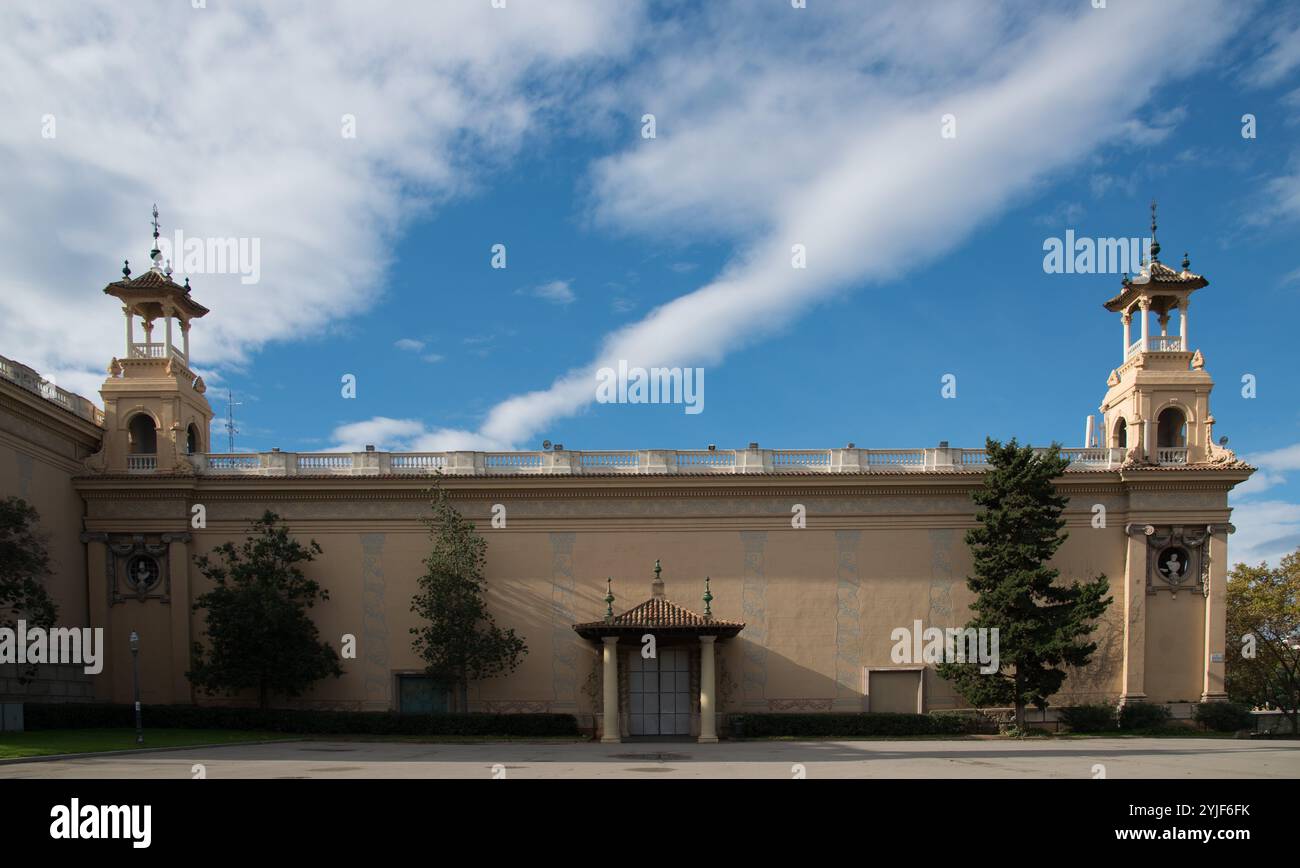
x,y
1143,715
1224,716
1089,718
92,716
851,724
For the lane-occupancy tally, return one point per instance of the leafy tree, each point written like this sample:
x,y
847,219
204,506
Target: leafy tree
x,y
260,636
460,642
1263,614
24,566
1041,625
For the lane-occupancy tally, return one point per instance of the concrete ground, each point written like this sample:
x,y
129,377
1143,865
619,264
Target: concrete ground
x,y
974,758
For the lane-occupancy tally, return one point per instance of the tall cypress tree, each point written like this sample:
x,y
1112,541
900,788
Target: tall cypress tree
x,y
460,642
1042,625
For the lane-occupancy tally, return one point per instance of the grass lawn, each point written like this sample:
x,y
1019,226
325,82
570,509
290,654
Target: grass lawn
x,y
15,745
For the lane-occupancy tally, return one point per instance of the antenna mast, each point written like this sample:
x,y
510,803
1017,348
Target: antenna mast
x,y
231,430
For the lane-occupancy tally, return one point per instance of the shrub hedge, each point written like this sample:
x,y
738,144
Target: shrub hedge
x,y
851,724
1143,715
1089,718
305,722
1224,716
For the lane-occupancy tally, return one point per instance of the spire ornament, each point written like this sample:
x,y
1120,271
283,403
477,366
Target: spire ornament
x,y
155,254
126,268
1155,245
609,598
657,586
708,600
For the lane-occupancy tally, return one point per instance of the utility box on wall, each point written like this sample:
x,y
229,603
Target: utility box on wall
x,y
11,717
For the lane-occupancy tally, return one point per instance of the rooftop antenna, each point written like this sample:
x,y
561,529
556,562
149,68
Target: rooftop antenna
x,y
231,430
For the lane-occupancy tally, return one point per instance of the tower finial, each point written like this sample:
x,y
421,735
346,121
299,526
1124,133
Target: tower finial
x,y
126,268
155,254
1155,245
1187,262
657,586
708,599
609,598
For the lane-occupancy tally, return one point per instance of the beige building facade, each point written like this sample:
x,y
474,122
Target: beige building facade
x,y
771,580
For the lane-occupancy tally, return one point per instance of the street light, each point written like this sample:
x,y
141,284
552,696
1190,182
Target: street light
x,y
135,663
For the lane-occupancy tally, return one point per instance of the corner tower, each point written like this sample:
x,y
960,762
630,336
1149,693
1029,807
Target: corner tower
x,y
155,413
1158,404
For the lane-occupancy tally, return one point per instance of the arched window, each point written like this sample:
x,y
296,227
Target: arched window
x,y
192,443
1171,428
142,435
1120,438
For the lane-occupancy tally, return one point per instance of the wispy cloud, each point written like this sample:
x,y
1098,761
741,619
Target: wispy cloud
x,y
246,134
554,291
871,140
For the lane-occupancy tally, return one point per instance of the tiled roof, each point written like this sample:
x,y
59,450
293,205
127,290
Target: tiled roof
x,y
659,613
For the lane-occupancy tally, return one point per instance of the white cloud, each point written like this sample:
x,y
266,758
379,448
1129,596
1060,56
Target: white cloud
x,y
555,291
1281,57
409,344
1266,531
234,127
864,178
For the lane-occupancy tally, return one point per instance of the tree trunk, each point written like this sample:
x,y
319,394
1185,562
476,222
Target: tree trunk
x,y
1020,706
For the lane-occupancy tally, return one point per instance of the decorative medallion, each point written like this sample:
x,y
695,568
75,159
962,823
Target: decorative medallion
x,y
1178,558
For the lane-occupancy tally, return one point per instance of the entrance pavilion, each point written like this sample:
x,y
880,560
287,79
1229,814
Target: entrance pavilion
x,y
659,672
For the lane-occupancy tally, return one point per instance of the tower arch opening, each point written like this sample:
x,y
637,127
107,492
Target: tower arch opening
x,y
142,434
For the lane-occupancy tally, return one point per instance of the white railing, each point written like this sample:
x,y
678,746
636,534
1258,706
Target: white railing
x,y
893,458
801,459
233,463
714,461
1171,455
141,463
609,462
506,461
154,350
418,461
1158,344
327,462
26,378
706,459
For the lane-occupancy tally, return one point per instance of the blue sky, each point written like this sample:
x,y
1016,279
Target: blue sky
x,y
774,126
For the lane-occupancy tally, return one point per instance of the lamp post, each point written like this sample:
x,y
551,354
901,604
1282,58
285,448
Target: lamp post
x,y
135,665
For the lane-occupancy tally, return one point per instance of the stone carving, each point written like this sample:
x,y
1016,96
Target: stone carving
x,y
1177,558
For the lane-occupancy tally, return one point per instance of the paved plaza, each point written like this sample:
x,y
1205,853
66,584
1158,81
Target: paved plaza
x,y
1182,758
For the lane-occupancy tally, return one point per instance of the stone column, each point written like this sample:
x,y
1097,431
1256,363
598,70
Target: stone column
x,y
1135,621
97,584
130,330
1128,330
178,578
1145,305
708,693
185,337
1182,323
1216,627
610,733
167,332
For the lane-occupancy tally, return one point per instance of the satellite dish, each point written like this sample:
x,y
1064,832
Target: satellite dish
x,y
546,444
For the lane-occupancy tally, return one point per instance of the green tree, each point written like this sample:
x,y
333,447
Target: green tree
x,y
1263,615
1041,625
460,642
24,567
260,636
